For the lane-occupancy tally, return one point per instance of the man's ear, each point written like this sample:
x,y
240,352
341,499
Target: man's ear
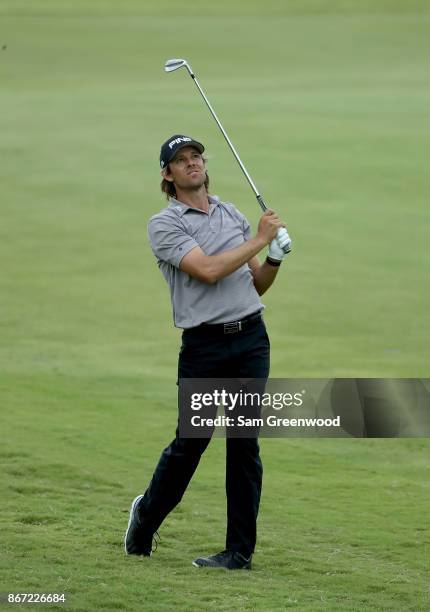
x,y
165,173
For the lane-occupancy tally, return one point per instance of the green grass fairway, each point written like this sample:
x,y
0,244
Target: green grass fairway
x,y
328,104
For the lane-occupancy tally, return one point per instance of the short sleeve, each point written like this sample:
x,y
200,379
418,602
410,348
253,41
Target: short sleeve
x,y
241,219
246,229
169,241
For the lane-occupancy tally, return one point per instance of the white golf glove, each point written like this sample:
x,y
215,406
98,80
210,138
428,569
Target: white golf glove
x,y
276,247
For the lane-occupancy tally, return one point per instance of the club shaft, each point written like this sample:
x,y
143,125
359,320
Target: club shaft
x,y
230,144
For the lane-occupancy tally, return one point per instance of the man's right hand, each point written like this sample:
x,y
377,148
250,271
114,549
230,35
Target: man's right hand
x,y
268,226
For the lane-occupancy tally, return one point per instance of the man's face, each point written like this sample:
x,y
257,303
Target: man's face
x,y
187,169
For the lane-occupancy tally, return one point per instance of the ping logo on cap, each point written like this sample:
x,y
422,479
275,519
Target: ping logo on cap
x,y
179,140
173,144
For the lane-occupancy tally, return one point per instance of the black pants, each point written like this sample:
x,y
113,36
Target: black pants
x,y
208,354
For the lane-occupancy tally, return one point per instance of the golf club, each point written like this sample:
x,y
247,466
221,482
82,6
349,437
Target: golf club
x,y
174,64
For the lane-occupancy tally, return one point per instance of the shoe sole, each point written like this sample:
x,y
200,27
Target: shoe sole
x,y
136,500
247,567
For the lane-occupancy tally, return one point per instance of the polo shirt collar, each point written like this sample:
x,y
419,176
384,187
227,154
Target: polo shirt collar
x,y
180,208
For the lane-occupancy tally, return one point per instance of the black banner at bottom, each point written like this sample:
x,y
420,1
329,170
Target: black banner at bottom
x,y
287,407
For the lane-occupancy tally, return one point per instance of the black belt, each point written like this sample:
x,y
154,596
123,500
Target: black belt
x,y
233,327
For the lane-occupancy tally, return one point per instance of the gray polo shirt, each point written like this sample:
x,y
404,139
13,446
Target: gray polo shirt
x,y
178,229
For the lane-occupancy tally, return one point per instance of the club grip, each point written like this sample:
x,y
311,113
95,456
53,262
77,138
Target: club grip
x,y
281,231
261,202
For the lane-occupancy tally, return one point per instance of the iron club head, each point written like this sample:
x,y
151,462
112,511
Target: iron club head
x,y
174,64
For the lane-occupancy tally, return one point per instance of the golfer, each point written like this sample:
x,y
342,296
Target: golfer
x,y
206,252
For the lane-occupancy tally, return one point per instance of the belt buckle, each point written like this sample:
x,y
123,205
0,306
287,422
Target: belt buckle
x,y
233,328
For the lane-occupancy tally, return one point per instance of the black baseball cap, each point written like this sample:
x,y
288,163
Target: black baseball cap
x,y
172,146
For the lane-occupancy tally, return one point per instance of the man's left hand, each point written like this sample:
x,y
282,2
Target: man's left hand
x,y
275,251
